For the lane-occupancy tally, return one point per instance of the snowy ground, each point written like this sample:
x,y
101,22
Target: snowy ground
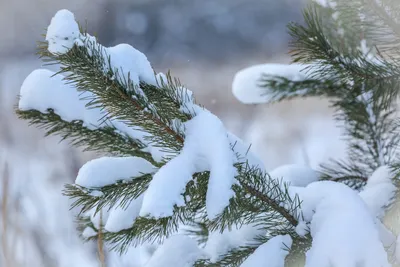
x,y
39,226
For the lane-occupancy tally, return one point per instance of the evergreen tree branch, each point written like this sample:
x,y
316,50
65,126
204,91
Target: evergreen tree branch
x,y
105,139
312,45
281,88
85,68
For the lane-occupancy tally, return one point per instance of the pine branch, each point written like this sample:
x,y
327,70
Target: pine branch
x,y
160,111
281,88
105,139
312,45
85,68
107,196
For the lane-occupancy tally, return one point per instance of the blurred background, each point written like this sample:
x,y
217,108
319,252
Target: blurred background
x,y
204,43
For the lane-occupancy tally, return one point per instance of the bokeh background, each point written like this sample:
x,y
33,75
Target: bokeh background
x,y
204,43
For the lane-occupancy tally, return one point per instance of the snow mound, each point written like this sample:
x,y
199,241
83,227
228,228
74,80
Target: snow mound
x,y
131,62
177,250
108,170
62,32
271,254
343,230
206,147
246,83
219,243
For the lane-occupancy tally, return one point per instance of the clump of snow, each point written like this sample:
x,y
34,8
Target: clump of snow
x,y
121,218
219,243
271,254
42,89
108,170
343,230
206,147
177,250
62,32
132,62
295,174
246,83
379,191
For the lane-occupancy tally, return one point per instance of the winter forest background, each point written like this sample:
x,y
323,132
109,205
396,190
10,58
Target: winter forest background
x,y
204,42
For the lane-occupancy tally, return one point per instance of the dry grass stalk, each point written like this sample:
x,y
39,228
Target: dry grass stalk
x,y
100,243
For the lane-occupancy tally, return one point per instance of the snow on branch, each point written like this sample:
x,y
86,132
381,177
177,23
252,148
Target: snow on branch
x,y
343,230
45,90
206,147
247,86
178,250
63,33
108,170
272,253
379,192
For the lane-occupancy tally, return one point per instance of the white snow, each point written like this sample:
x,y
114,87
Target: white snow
x,y
132,62
302,228
43,89
121,218
177,250
295,174
271,253
343,230
62,32
246,83
167,186
89,232
220,243
206,147
379,191
188,105
108,170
